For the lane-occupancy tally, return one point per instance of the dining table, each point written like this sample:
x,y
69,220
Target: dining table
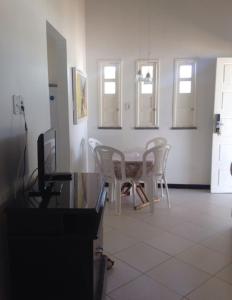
x,y
134,169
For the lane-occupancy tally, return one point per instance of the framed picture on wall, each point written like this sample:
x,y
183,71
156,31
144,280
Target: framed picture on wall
x,y
79,83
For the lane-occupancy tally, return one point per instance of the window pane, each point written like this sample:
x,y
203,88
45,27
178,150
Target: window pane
x,y
110,88
146,88
186,71
146,69
110,72
185,87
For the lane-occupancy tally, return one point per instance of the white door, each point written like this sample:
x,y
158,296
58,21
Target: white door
x,y
147,94
147,99
110,94
184,110
221,179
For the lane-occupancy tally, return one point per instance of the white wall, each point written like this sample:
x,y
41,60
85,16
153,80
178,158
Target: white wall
x,y
179,28
23,71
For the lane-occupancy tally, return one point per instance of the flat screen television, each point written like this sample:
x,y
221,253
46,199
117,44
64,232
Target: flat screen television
x,y
47,175
46,150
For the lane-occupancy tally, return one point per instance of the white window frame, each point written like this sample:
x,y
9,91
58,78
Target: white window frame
x,y
101,65
178,62
154,95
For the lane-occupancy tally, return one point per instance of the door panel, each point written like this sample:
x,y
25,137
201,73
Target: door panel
x,y
111,111
225,153
221,179
225,178
147,116
227,74
185,117
226,126
226,104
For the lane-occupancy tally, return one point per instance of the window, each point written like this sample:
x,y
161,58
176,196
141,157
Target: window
x,y
184,107
110,94
147,94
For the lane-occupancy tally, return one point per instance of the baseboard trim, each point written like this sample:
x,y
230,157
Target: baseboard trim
x,y
189,186
182,186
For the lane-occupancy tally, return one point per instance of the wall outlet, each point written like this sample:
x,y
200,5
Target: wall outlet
x,y
17,104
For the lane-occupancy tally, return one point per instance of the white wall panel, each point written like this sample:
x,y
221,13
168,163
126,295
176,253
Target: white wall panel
x,y
179,29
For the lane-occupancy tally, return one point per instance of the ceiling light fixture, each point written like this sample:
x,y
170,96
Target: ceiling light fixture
x,y
139,75
148,79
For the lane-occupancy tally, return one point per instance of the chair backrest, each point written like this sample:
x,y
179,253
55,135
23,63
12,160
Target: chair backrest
x,y
157,156
161,156
93,143
148,162
110,162
158,141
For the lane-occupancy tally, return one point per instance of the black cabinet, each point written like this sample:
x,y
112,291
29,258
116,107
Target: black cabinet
x,y
57,252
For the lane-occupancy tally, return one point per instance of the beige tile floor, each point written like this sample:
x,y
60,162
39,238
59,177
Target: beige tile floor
x,y
180,253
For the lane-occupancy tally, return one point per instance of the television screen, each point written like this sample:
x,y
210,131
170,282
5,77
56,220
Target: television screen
x,y
49,152
46,147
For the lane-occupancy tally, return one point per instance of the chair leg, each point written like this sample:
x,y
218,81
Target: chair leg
x,y
111,192
149,191
167,192
118,197
162,188
155,188
133,193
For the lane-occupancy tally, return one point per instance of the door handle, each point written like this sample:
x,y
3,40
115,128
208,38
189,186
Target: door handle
x,y
219,124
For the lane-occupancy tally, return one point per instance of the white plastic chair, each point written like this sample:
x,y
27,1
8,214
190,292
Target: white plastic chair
x,y
159,171
106,158
158,141
146,176
93,143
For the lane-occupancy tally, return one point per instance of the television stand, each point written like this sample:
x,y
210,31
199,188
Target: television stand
x,y
53,189
63,176
56,252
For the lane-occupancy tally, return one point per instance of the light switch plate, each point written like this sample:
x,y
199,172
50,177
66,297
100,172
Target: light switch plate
x,y
17,103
